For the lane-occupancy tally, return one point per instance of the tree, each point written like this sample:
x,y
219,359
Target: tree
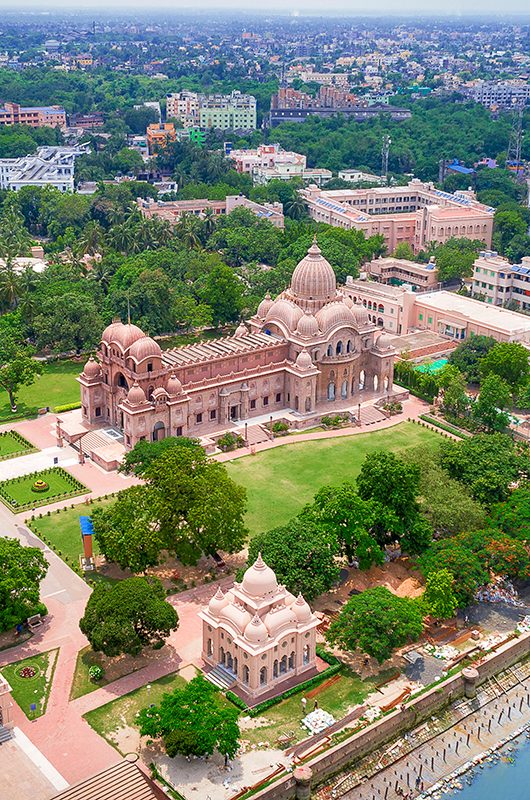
x,y
222,291
127,616
193,721
500,553
376,622
507,225
70,322
439,596
301,553
488,409
462,563
513,516
453,383
17,367
21,571
508,360
197,507
404,250
126,532
454,259
467,356
144,453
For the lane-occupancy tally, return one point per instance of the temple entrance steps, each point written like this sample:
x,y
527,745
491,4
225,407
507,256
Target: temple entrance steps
x,y
91,441
256,434
220,677
5,734
370,415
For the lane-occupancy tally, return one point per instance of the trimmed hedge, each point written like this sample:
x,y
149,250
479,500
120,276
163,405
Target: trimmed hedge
x,y
66,407
273,701
445,426
73,487
25,446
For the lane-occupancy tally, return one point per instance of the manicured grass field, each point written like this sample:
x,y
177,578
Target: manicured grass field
x,y
121,713
13,444
280,482
18,495
62,529
35,690
55,387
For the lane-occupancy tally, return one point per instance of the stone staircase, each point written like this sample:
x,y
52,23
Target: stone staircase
x,y
92,441
256,434
220,677
5,734
370,415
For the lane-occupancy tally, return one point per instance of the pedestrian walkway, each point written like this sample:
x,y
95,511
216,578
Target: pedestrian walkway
x,y
34,462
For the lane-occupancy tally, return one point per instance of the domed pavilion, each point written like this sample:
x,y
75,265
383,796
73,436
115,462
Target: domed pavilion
x,y
309,351
258,636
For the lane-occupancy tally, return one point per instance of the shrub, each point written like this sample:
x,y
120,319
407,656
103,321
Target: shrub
x,y
66,407
280,427
230,441
334,422
96,673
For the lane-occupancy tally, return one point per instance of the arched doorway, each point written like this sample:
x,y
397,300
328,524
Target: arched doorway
x,y
263,676
376,383
159,431
120,380
344,390
362,378
331,391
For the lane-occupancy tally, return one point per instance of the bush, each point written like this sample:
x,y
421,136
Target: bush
x,y
444,426
230,441
96,673
334,422
66,407
280,427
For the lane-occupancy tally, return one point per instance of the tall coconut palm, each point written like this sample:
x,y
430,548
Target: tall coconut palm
x,y
187,231
9,286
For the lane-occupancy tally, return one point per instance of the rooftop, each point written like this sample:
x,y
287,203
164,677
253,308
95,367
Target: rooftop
x,y
124,781
475,310
218,348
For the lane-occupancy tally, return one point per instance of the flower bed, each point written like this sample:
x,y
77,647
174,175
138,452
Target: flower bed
x,y
40,489
12,445
27,672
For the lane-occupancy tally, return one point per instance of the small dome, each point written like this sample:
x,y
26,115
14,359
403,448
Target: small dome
x,y
289,598
314,278
159,392
264,306
256,632
384,342
136,395
259,580
348,301
122,335
308,325
237,615
174,386
145,348
218,602
92,368
278,618
333,314
301,609
241,330
303,360
360,313
286,312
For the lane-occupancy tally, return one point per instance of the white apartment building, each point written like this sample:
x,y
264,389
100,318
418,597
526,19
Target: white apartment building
x,y
184,107
356,176
270,162
51,166
505,94
499,282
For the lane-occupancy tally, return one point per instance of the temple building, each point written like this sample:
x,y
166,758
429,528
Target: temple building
x,y
258,636
307,351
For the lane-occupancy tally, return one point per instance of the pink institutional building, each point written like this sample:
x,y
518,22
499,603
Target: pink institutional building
x,y
258,635
304,350
417,213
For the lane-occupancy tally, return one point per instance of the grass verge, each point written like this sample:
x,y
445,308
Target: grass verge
x,y
32,691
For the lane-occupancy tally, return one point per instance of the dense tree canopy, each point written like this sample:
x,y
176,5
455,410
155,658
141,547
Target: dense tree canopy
x,y
467,356
21,572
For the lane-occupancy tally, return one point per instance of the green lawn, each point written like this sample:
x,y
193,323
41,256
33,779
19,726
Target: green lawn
x,y
280,482
121,713
62,530
55,387
35,690
13,444
18,494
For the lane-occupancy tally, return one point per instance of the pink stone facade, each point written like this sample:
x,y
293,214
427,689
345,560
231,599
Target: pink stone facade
x,y
258,635
304,350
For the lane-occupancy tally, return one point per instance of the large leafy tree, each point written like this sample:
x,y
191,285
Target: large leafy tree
x,y
488,410
17,366
455,258
467,356
439,596
70,322
466,567
21,571
222,291
127,616
193,721
509,361
501,554
376,622
513,516
301,553
144,453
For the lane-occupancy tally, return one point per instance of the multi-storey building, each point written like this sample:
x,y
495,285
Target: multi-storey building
x,y
158,135
270,161
184,107
502,94
498,282
235,112
34,116
417,213
51,166
396,271
173,210
356,176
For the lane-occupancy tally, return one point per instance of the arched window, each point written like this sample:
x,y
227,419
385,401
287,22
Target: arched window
x,y
348,346
331,391
150,391
209,649
283,665
263,676
121,382
344,390
222,655
362,378
353,385
234,668
306,654
291,661
275,669
338,349
385,383
376,383
330,350
381,308
229,661
246,674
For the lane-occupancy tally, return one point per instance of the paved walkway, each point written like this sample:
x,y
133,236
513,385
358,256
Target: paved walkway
x,y
23,465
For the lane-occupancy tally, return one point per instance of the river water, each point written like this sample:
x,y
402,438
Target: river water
x,y
507,778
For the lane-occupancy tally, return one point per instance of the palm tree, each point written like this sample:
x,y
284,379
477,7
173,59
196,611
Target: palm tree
x,y
208,223
187,232
9,286
91,240
296,207
101,274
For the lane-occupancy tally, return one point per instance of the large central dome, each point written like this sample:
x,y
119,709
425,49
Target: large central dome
x,y
313,278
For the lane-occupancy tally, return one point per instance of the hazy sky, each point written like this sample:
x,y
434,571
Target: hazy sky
x,y
350,7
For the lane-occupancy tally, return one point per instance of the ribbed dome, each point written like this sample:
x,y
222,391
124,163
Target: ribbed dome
x,y
348,301
122,335
259,580
279,618
241,330
91,368
174,386
301,609
159,392
218,602
308,325
264,306
286,312
136,395
334,314
256,632
314,278
360,313
384,342
144,348
237,615
303,360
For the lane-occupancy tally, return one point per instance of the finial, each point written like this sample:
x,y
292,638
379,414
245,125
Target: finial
x,y
259,562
